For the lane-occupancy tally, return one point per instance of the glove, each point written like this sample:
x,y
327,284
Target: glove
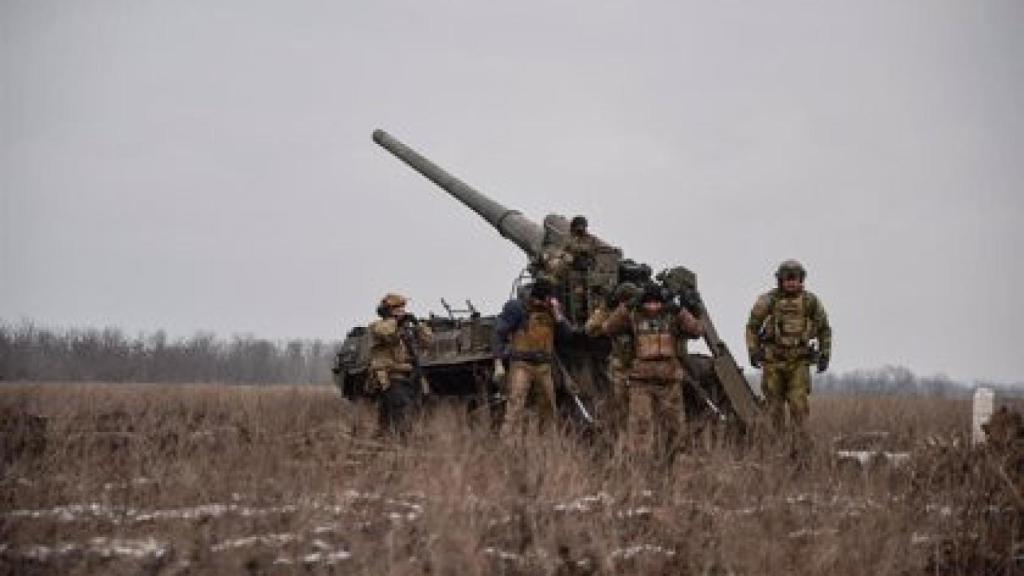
x,y
498,376
822,363
691,300
756,358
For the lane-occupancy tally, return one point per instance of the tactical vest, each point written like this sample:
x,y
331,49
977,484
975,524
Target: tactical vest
x,y
789,325
537,335
623,348
654,337
387,351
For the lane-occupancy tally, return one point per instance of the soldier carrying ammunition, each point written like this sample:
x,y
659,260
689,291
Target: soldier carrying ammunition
x,y
394,365
788,330
525,336
620,358
654,399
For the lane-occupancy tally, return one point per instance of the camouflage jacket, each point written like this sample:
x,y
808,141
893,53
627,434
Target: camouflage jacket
x,y
387,351
786,325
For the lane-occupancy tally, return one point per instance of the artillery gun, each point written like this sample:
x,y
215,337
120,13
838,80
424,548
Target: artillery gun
x,y
459,361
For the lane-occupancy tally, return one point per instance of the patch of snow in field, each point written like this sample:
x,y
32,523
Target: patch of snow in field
x,y
265,540
71,512
585,504
941,509
102,546
918,539
630,513
812,533
43,553
634,551
144,548
867,457
332,557
117,515
503,555
333,528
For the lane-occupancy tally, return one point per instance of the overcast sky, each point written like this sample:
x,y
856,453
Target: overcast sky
x,y
207,165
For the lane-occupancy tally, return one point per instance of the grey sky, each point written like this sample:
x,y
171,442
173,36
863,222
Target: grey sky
x,y
208,165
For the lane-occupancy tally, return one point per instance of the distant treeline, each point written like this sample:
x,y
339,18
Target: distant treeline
x,y
109,355
900,380
30,353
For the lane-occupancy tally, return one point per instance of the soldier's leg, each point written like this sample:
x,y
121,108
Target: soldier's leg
x,y
772,387
669,418
619,399
640,420
517,386
797,392
544,381
398,401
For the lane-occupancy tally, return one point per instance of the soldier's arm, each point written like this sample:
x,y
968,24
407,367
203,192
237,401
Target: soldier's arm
x,y
689,324
758,314
385,330
824,330
424,335
594,324
617,322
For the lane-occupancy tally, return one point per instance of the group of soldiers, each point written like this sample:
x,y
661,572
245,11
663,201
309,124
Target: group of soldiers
x,y
787,333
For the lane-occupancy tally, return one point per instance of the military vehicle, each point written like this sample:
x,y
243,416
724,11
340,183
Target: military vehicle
x,y
459,362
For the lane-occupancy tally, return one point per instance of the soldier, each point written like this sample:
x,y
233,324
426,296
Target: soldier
x,y
580,247
396,339
525,336
568,267
620,358
655,387
784,326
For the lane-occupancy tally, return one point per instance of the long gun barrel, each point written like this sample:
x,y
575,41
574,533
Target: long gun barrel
x,y
511,224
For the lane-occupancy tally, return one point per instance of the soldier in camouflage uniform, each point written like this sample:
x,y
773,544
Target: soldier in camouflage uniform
x,y
525,336
655,418
568,267
395,338
620,358
784,326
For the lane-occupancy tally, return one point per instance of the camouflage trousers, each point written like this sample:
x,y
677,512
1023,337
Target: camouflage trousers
x,y
615,406
397,405
654,417
787,382
524,377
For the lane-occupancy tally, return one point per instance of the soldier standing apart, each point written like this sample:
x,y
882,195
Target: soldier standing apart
x,y
620,357
396,340
784,326
525,336
654,420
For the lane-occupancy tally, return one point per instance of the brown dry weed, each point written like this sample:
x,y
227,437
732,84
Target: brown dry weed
x,y
147,479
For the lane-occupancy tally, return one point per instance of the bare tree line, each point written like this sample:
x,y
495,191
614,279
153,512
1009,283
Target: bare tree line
x,y
30,353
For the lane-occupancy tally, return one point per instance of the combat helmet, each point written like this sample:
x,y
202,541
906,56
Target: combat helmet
x,y
389,301
392,300
789,267
578,223
652,293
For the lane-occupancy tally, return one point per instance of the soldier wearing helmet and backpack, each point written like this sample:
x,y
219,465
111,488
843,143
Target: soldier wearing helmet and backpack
x,y
788,331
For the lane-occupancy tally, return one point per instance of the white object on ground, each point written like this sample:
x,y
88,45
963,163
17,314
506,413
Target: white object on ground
x,y
984,405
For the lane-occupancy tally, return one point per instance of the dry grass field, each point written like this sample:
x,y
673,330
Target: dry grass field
x,y
147,479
